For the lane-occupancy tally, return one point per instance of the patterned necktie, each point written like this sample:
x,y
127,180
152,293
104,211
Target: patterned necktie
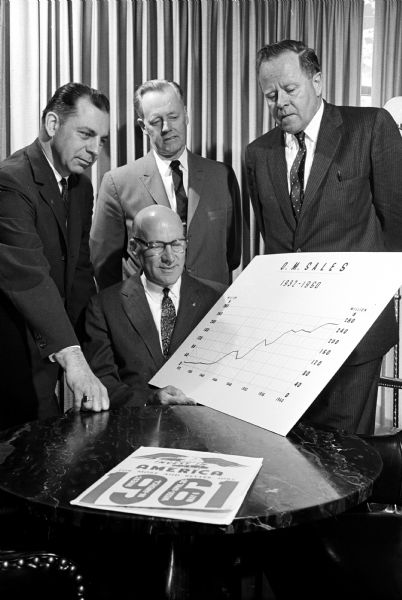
x,y
64,194
168,318
297,176
181,198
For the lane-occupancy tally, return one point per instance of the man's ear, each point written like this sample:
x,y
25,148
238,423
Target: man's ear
x,y
317,83
142,125
52,123
133,246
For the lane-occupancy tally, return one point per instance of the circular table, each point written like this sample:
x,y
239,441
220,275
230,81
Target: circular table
x,y
308,475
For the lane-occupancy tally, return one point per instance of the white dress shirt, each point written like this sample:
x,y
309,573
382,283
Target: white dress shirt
x,y
292,145
154,296
166,174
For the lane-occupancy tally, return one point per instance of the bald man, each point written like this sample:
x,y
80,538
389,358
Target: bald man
x,y
133,327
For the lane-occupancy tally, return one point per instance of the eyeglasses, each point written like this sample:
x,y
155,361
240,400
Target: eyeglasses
x,y
153,248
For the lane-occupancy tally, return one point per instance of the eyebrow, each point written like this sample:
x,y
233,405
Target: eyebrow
x,y
92,132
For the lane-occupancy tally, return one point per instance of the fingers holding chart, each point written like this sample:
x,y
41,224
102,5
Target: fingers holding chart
x,y
280,332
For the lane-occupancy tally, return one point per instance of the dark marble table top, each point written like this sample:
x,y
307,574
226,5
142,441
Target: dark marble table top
x,y
308,475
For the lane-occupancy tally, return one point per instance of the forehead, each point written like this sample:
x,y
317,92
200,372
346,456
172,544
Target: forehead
x,y
164,230
159,101
88,115
281,70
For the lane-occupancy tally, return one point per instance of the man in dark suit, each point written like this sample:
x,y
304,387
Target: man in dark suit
x,y
328,178
204,192
127,340
46,278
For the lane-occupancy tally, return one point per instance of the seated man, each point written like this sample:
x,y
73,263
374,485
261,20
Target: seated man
x,y
131,327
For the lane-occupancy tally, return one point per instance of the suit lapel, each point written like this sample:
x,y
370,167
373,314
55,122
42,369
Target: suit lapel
x,y
47,184
328,140
152,180
137,310
187,317
195,184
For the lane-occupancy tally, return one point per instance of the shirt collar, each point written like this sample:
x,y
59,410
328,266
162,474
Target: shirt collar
x,y
156,291
163,164
311,130
55,171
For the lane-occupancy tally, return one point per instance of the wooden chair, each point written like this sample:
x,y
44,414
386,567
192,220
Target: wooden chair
x,y
394,382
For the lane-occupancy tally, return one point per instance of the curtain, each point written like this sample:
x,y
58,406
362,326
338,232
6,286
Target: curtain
x,y
387,59
208,46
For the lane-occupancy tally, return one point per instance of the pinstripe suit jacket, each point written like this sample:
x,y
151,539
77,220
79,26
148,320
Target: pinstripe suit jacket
x,y
353,197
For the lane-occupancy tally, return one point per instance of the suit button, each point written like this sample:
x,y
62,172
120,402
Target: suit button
x,y
298,250
62,258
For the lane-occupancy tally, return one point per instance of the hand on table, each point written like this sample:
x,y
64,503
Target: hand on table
x,y
89,392
170,395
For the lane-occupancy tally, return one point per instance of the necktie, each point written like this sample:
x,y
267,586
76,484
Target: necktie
x,y
181,198
168,318
64,194
297,175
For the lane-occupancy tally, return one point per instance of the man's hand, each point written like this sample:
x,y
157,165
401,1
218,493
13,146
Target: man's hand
x,y
170,395
89,392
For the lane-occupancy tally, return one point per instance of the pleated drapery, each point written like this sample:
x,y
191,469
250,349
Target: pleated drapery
x,y
207,46
387,52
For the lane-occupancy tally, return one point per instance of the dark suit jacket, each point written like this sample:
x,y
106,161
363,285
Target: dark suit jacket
x,y
45,277
122,345
353,197
214,218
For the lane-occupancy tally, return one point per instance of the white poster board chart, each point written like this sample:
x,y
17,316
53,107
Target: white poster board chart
x,y
205,487
280,332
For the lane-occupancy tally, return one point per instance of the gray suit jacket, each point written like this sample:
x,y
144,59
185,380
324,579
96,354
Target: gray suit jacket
x,y
122,344
214,218
353,197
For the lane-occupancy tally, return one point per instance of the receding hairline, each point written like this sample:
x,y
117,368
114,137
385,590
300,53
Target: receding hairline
x,y
308,60
155,85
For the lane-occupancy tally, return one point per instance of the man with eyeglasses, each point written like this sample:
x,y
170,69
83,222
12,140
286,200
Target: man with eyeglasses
x,y
205,193
134,327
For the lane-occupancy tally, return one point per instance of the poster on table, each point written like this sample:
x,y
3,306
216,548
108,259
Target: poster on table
x,y
205,487
280,332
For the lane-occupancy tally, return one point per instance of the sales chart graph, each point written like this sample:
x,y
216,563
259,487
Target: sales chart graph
x,y
262,353
281,331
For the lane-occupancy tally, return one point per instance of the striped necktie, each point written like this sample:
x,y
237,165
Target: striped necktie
x,y
297,176
181,197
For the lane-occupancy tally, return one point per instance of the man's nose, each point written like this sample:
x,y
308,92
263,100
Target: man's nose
x,y
165,125
168,254
94,145
282,98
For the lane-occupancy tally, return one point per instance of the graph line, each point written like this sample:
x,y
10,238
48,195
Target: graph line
x,y
264,342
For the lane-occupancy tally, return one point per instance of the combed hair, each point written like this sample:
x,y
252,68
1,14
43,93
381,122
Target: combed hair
x,y
308,59
64,100
154,85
